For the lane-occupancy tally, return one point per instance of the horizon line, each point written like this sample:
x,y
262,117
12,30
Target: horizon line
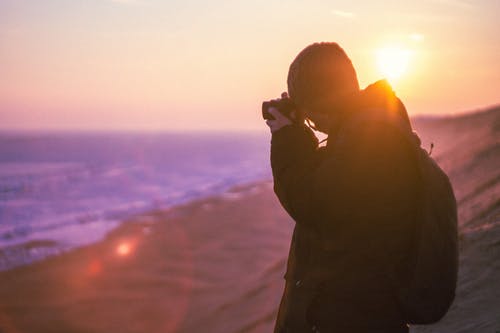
x,y
146,129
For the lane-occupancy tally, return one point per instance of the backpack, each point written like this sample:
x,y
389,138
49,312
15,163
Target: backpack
x,y
430,289
425,294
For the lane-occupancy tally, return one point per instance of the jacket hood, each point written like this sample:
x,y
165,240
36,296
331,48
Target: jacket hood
x,y
380,98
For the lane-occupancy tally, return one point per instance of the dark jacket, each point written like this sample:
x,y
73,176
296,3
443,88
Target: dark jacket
x,y
353,203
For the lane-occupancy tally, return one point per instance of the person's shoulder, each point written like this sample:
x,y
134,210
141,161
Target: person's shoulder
x,y
371,138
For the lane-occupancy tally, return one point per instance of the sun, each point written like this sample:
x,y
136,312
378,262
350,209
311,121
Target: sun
x,y
393,61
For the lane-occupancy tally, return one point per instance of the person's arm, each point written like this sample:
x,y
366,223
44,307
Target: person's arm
x,y
294,157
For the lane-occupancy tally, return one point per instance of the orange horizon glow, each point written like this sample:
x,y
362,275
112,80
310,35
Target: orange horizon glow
x,y
150,64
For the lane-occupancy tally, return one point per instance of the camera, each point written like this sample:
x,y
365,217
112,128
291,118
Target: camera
x,y
285,106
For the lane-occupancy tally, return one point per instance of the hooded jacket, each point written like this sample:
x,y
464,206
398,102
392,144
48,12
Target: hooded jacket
x,y
353,202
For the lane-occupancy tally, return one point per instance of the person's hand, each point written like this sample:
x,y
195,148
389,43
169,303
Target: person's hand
x,y
279,120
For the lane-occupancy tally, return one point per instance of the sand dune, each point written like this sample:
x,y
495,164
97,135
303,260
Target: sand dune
x,y
216,265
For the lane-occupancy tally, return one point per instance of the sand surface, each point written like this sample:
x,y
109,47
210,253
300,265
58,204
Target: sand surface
x,y
211,266
216,265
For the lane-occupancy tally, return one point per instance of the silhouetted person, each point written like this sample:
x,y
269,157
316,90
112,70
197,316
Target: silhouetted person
x,y
353,199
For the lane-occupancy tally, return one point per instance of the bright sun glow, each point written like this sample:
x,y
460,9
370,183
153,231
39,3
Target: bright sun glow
x,y
393,61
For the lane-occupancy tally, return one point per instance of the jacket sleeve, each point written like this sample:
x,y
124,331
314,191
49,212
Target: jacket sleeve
x,y
366,172
294,157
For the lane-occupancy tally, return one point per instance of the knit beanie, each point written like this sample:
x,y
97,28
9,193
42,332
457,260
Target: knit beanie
x,y
320,71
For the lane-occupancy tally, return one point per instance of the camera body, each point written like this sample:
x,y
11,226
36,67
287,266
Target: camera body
x,y
285,106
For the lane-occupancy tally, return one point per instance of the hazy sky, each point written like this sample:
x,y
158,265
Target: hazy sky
x,y
179,64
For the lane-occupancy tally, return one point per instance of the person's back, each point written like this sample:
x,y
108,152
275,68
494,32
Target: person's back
x,y
353,202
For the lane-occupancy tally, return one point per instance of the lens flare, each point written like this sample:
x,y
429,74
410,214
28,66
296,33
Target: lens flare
x,y
123,249
94,268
